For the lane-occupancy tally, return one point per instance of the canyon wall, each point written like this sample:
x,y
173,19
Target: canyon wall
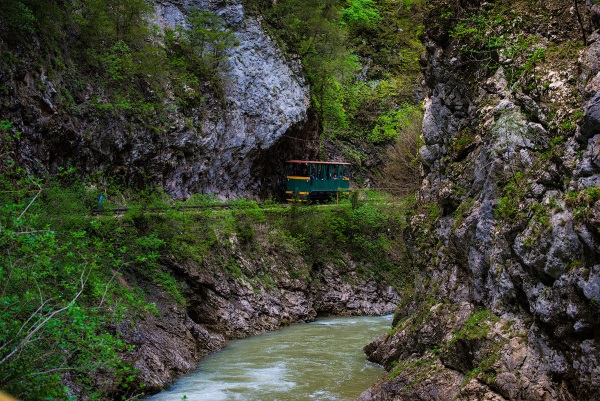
x,y
265,103
505,243
231,142
241,289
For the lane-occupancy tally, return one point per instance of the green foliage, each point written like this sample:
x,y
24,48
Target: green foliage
x,y
118,62
393,46
567,50
365,231
246,214
21,20
479,35
389,125
377,104
110,21
483,36
197,52
58,294
433,210
415,370
531,57
476,326
582,202
486,40
5,125
202,200
312,30
134,67
257,7
463,140
462,210
17,19
510,204
355,199
207,41
361,13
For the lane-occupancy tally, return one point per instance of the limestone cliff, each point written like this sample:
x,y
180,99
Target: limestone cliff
x,y
266,102
505,242
226,142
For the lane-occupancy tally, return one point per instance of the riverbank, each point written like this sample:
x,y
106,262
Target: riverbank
x,y
250,270
138,299
220,307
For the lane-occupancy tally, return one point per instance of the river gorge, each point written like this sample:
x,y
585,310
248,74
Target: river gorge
x,y
472,129
321,360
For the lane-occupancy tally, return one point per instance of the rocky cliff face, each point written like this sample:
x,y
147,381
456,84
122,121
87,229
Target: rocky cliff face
x,y
222,305
217,146
506,240
265,103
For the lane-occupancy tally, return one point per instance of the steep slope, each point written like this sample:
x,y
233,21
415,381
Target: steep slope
x,y
505,243
184,131
116,306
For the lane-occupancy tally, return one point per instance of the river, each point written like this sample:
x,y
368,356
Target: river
x,y
322,360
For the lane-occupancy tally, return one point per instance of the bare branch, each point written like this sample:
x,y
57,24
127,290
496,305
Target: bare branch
x,y
24,325
106,289
43,319
30,203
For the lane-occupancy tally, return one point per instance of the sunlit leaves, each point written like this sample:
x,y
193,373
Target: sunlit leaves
x,y
361,13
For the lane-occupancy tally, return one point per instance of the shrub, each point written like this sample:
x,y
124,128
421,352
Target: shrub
x,y
57,271
361,13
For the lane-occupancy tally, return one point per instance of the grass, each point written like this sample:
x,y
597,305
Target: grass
x,y
476,327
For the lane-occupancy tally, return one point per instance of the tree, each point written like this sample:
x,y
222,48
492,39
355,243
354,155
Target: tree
x,y
108,21
402,169
361,13
313,30
15,17
208,38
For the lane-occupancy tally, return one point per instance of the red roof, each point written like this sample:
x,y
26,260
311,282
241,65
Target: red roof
x,y
314,162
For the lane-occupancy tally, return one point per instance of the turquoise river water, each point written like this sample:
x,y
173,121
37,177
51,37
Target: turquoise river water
x,y
322,360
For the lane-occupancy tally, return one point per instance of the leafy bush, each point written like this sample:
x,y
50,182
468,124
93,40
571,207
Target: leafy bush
x,y
58,293
406,119
17,19
118,62
361,13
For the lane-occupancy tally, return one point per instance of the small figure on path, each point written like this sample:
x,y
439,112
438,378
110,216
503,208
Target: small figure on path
x,y
100,200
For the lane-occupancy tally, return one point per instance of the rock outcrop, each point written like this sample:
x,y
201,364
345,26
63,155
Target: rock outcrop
x,y
266,101
217,145
222,303
506,241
